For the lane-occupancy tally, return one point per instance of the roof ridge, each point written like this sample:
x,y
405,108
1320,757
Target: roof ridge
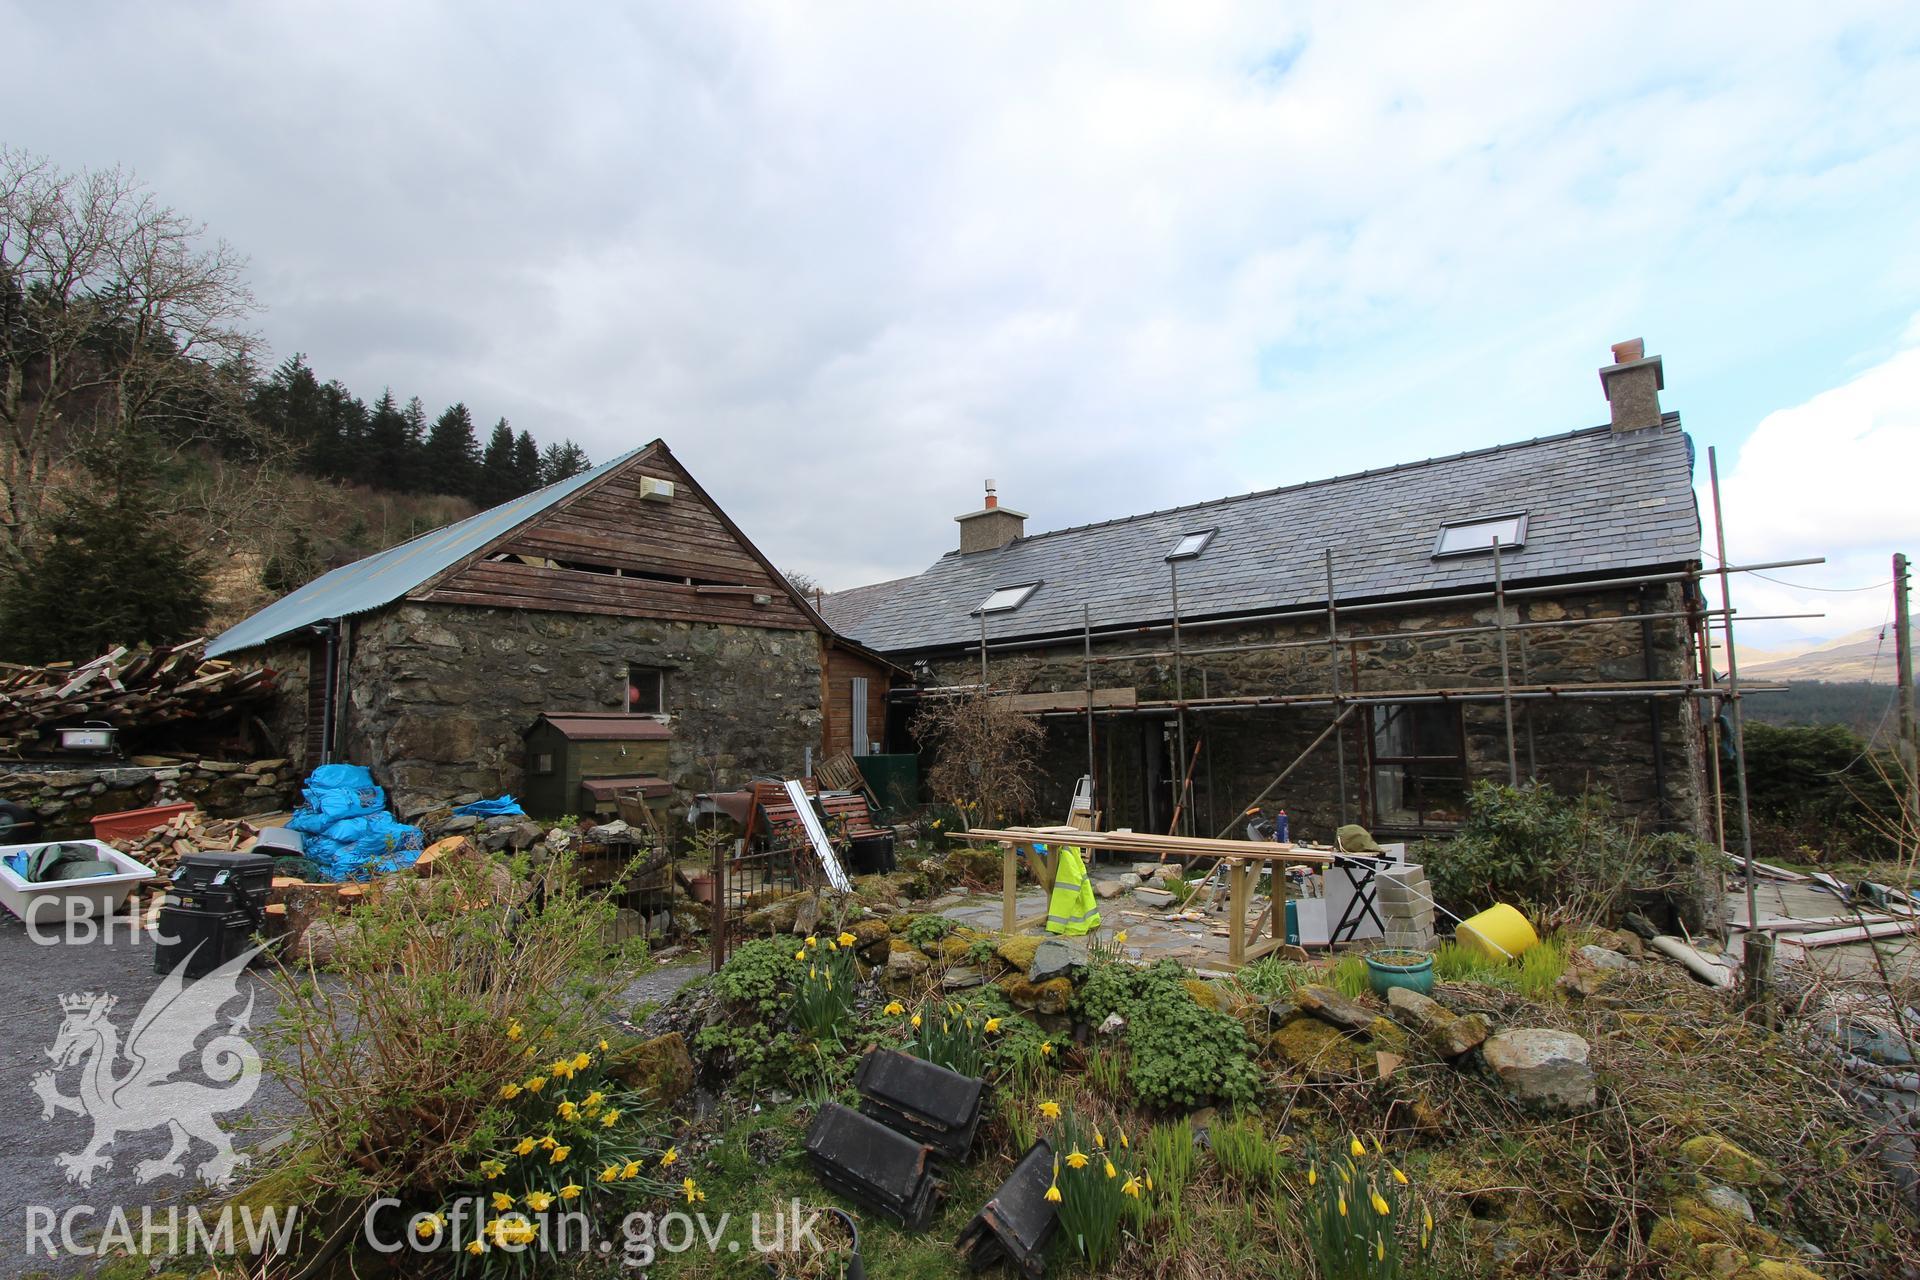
x,y
1667,420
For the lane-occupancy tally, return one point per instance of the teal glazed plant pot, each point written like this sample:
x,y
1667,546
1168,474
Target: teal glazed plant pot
x,y
1410,969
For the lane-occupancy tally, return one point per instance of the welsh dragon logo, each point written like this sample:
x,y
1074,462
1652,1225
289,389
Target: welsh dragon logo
x,y
129,1089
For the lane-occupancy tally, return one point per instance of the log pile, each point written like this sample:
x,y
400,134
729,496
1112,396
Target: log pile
x,y
189,832
127,689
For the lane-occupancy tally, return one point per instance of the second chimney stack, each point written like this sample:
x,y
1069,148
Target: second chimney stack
x,y
992,526
1633,383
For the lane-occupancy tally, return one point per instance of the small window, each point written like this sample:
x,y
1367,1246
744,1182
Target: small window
x,y
1472,537
543,762
646,691
1190,547
1007,599
1419,765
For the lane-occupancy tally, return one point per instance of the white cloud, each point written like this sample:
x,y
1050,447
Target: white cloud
x,y
851,259
1834,476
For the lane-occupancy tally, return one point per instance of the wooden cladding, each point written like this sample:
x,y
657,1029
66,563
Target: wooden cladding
x,y
839,669
608,550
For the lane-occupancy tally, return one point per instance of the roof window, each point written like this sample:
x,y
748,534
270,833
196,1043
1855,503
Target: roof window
x,y
1190,546
1007,599
1474,537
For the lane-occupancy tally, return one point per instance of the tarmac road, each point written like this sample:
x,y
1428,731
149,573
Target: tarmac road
x,y
33,978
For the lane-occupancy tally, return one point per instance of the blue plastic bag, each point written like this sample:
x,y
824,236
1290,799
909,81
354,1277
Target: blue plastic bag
x,y
499,807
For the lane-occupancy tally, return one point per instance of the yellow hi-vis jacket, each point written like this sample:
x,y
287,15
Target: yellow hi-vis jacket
x,y
1072,910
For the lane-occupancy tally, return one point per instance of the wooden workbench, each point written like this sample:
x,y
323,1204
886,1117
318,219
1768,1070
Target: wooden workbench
x,y
1242,857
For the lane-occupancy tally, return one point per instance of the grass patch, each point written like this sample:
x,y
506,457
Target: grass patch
x,y
1247,1153
1349,976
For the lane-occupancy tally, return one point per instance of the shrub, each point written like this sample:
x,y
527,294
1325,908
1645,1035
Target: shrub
x,y
926,931
444,990
1818,789
1565,860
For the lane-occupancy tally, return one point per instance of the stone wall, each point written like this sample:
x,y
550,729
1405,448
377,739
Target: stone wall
x,y
439,695
66,798
1573,745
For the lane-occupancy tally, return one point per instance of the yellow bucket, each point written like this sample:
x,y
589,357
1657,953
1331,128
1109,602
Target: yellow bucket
x,y
1499,932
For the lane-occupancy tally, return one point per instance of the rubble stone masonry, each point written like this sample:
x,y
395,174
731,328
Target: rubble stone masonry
x,y
440,694
1574,745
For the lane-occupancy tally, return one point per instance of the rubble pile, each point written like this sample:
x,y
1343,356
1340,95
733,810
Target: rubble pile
x,y
144,689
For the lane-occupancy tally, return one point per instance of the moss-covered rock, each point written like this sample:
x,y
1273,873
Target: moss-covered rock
x,y
660,1068
1321,1052
1725,1161
1018,951
1205,994
1049,997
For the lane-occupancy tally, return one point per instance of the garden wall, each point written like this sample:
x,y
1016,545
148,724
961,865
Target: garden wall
x,y
66,798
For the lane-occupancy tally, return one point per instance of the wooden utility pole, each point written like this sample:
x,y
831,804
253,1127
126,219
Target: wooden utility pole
x,y
1903,659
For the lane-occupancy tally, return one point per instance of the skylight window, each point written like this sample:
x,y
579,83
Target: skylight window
x,y
1190,546
1007,599
1472,537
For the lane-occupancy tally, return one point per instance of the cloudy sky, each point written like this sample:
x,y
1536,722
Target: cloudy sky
x,y
850,260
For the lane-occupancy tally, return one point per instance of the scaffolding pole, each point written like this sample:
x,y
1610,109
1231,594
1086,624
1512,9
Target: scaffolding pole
x,y
1755,979
1506,674
1086,633
1333,652
1179,683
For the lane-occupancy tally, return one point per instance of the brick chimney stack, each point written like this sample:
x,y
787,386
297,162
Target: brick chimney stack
x,y
992,526
1633,383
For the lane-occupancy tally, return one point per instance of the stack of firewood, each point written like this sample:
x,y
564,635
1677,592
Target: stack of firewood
x,y
189,832
126,689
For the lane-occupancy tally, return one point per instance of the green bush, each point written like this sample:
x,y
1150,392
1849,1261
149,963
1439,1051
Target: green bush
x,y
1181,1053
1565,860
926,931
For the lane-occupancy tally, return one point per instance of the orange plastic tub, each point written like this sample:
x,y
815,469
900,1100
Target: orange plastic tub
x,y
129,823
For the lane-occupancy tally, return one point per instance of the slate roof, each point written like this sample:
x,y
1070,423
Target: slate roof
x,y
386,576
1599,504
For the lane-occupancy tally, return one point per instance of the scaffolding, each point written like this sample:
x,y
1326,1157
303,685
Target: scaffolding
x,y
1344,697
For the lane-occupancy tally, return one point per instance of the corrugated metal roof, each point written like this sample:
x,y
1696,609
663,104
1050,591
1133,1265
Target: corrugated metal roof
x,y
386,576
1597,502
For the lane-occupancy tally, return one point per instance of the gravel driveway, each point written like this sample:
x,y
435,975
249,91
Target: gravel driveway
x,y
33,979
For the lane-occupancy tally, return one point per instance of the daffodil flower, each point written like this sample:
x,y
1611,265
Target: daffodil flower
x,y
539,1200
800,955
1379,1205
692,1190
1399,1177
1379,1249
492,1169
430,1225
1051,1110
476,1248
1358,1150
1053,1193
560,1155
1046,1048
581,1061
631,1169
568,1111
1149,1182
1313,1175
993,1024
502,1202
847,939
610,1174
515,1030
536,1084
524,1147
812,941
509,1091
1343,1206
610,1119
549,1142
571,1191
1120,936
1111,1171
669,1157
1076,1159
894,1009
1131,1187
916,1022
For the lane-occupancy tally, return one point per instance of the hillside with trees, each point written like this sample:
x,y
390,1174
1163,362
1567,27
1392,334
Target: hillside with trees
x,y
155,481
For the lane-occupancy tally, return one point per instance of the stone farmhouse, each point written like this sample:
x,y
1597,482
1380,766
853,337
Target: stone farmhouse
x,y
1389,637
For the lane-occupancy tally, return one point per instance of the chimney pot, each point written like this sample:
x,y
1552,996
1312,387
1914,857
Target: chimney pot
x,y
1633,383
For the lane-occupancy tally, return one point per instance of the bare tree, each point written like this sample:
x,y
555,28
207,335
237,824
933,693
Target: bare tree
x,y
119,326
986,755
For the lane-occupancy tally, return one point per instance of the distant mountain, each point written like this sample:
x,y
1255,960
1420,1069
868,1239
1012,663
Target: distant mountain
x,y
1849,658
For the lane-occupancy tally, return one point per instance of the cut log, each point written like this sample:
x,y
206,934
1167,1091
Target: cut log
x,y
1695,963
